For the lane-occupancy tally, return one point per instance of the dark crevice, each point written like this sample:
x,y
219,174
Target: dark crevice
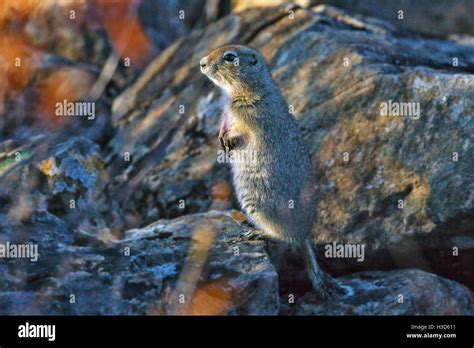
x,y
249,38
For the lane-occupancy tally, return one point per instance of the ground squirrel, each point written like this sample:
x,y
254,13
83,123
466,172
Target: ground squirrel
x,y
277,190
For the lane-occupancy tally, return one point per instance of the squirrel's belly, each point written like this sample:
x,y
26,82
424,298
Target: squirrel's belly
x,y
257,195
268,200
252,189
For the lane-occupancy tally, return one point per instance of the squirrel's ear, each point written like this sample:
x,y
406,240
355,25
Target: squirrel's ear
x,y
254,60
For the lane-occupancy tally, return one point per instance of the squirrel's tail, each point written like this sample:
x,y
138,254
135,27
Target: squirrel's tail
x,y
323,284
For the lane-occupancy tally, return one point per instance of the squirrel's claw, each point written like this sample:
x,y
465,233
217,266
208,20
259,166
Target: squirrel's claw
x,y
221,140
224,138
227,142
231,143
329,289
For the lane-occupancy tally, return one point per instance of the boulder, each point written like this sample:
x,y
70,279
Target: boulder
x,y
66,179
165,22
433,18
398,292
199,264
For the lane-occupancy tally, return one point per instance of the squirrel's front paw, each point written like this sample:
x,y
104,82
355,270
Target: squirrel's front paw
x,y
224,138
221,140
230,142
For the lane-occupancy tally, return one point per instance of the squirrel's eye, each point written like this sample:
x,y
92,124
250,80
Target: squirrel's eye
x,y
229,57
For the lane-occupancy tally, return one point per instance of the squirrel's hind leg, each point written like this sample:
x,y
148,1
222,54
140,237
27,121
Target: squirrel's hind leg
x,y
326,287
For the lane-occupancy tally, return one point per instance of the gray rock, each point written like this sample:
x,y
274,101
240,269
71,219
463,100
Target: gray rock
x,y
205,260
441,18
65,179
399,292
197,264
163,24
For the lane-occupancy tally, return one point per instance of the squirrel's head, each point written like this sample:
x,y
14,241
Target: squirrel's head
x,y
236,69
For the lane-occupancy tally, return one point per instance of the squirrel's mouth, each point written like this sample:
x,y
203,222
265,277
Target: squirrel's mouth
x,y
209,69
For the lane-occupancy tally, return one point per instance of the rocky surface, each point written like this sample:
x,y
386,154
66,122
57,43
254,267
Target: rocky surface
x,y
429,17
399,292
432,18
198,264
167,21
66,180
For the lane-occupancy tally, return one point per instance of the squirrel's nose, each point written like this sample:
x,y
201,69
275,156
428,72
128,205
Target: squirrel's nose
x,y
203,62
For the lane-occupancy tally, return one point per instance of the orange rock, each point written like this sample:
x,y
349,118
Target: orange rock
x,y
238,216
213,298
221,190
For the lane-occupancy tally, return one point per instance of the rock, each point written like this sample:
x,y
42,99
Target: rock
x,y
167,21
401,186
222,271
73,171
66,180
209,262
428,17
399,292
204,259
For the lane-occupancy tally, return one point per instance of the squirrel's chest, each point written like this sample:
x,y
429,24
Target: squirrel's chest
x,y
252,184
